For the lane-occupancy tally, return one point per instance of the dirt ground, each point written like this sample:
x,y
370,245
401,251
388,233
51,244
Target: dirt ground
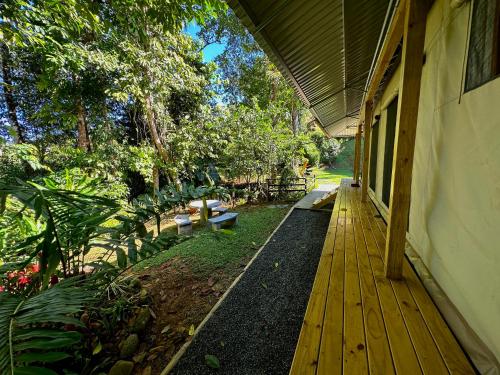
x,y
179,301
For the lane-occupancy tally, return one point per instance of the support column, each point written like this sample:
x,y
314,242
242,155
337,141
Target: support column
x,y
404,145
357,155
366,150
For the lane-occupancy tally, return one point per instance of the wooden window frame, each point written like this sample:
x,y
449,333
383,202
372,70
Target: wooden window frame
x,y
495,55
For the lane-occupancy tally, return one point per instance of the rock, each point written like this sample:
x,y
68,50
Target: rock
x,y
84,318
129,346
135,283
147,371
122,368
141,320
138,358
143,296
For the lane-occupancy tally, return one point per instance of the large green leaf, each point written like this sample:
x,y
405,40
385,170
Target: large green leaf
x,y
46,344
42,357
24,334
33,370
24,322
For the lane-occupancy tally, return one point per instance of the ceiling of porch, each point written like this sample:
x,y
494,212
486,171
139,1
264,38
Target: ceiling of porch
x,y
325,48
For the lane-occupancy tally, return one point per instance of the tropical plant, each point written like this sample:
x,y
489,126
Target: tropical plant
x,y
41,330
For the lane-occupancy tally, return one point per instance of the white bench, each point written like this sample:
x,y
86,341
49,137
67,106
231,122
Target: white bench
x,y
220,210
184,224
227,219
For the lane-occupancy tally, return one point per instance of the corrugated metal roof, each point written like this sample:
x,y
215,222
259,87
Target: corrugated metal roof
x,y
325,48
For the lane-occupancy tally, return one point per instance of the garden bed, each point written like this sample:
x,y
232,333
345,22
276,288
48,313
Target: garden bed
x,y
178,287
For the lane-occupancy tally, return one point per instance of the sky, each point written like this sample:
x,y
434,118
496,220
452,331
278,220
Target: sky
x,y
211,51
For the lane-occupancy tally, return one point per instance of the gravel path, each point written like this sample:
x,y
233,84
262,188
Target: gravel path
x,y
255,329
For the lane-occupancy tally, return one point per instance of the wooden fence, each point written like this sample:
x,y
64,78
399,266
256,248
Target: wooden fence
x,y
297,184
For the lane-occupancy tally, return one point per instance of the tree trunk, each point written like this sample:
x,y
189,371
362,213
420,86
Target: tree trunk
x,y
8,94
83,131
151,121
295,120
156,179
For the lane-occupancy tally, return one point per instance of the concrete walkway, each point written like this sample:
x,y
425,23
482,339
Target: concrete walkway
x,y
308,200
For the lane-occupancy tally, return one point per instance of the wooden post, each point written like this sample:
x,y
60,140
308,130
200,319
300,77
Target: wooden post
x,y
357,155
404,145
366,150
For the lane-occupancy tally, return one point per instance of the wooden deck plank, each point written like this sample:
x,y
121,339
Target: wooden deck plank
x,y
453,355
378,350
403,353
358,321
305,360
429,357
355,359
330,355
451,352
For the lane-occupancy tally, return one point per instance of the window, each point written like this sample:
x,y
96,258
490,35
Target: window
x,y
390,133
483,61
373,156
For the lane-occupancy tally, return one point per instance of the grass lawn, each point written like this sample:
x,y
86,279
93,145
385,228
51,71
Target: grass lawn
x,y
207,251
331,175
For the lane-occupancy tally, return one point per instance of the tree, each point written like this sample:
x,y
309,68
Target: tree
x,y
9,93
55,32
153,52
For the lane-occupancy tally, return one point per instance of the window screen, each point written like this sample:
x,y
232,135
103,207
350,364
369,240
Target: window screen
x,y
373,156
390,132
483,58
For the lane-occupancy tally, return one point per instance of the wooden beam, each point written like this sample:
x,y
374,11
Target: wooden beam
x,y
357,155
366,151
391,42
404,144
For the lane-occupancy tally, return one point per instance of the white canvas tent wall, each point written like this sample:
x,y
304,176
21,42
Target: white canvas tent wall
x,y
455,201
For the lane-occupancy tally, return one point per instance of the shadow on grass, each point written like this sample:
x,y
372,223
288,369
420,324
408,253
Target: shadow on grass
x,y
207,251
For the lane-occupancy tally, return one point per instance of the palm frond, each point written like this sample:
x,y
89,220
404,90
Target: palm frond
x,y
31,327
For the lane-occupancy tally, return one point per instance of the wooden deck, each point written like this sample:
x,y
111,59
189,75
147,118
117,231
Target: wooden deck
x,y
359,322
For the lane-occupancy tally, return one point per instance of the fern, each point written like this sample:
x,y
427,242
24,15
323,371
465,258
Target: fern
x,y
32,333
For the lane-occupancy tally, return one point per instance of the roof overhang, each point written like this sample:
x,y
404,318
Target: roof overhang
x,y
324,48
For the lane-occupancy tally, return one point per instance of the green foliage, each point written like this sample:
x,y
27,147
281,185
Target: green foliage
x,y
312,154
18,160
108,90
345,158
71,221
33,336
328,148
